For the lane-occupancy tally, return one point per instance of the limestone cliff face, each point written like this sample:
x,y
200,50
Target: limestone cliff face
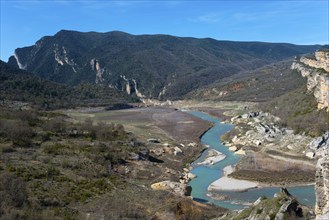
x,y
320,147
317,72
321,60
95,66
131,87
322,187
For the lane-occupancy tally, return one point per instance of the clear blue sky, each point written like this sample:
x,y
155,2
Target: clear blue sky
x,y
24,22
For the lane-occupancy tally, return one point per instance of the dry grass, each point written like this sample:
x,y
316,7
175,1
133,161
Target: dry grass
x,y
260,167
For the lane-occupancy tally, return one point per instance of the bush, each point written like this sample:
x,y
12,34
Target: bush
x,y
298,110
27,116
12,191
56,125
19,132
7,149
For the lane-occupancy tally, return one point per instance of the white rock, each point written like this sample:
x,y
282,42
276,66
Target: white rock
x,y
258,201
310,155
177,151
191,175
192,144
233,148
240,152
290,147
186,170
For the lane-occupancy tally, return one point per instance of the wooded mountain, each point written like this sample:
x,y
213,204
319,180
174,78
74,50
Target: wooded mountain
x,y
151,66
20,85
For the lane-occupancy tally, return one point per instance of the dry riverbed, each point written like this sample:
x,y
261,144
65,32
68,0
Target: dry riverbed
x,y
271,155
262,165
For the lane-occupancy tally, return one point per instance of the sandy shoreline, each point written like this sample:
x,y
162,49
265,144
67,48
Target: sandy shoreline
x,y
226,183
213,157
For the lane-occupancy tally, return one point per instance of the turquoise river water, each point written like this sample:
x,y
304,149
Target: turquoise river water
x,y
208,174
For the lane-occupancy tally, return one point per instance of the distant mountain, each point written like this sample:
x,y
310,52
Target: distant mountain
x,y
20,85
151,66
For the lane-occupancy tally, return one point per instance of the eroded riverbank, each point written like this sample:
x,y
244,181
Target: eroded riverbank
x,y
209,174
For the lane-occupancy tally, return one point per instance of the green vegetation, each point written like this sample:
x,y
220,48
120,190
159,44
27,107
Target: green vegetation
x,y
258,85
49,164
154,61
298,110
19,85
271,208
71,169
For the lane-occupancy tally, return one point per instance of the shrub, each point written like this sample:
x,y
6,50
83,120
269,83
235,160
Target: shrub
x,y
12,191
298,110
56,125
7,149
19,132
30,117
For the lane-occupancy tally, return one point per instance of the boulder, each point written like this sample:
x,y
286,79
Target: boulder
x,y
192,144
158,151
240,152
310,154
257,142
168,150
177,151
178,188
161,185
233,148
153,140
320,142
186,170
191,176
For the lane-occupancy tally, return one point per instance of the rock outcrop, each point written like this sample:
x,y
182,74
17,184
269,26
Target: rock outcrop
x,y
319,148
282,206
322,188
180,189
95,66
262,131
316,70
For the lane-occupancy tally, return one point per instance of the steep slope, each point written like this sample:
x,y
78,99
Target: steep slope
x,y
151,66
262,84
316,70
306,107
20,85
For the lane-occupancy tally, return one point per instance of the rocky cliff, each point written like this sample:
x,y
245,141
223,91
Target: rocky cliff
x,y
322,188
316,70
320,149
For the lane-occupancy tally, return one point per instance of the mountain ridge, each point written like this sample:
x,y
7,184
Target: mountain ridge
x,y
150,66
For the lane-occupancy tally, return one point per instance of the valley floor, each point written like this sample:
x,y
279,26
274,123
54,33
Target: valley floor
x,y
278,160
160,144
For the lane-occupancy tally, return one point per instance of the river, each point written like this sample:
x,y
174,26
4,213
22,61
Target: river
x,y
208,174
